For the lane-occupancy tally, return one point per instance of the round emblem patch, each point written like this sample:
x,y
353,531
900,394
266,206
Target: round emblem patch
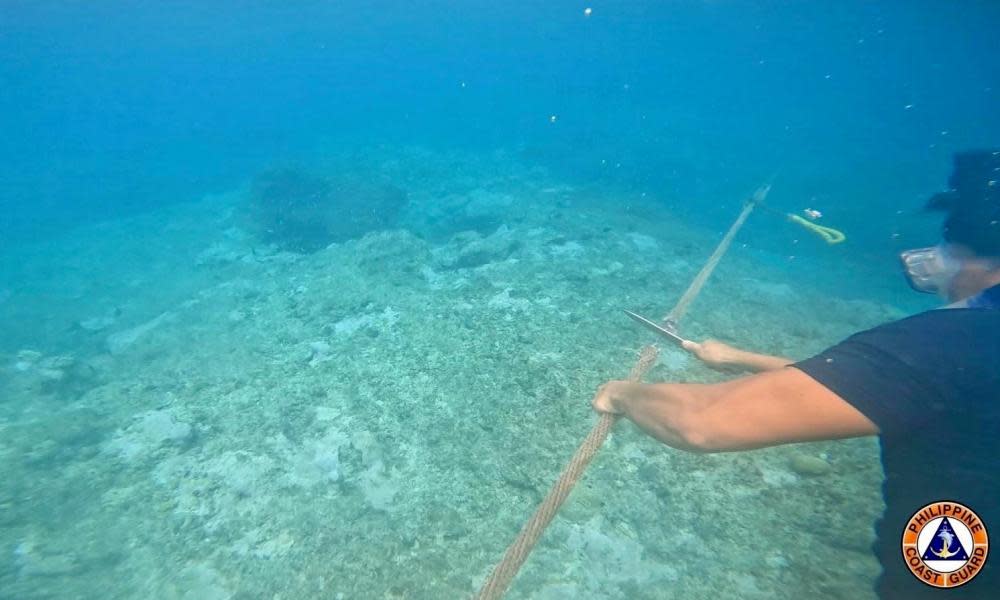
x,y
945,544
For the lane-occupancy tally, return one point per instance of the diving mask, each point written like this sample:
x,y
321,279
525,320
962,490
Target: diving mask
x,y
930,270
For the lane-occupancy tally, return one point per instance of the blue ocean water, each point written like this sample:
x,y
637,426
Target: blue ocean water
x,y
206,397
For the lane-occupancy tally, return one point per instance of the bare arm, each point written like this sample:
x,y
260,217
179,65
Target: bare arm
x,y
723,356
767,409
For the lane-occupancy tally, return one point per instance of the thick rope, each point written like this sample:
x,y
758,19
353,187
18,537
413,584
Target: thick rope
x,y
505,571
518,552
674,316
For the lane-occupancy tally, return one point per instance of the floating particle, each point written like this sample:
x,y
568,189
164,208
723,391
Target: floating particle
x,y
908,107
587,12
553,118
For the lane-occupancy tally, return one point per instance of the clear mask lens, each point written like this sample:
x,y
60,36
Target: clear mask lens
x,y
929,270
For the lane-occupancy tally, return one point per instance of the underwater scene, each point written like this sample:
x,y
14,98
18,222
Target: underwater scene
x,y
310,299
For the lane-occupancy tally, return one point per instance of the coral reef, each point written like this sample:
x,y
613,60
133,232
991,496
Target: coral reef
x,y
380,416
33,372
302,212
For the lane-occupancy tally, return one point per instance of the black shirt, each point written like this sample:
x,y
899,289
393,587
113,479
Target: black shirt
x,y
931,383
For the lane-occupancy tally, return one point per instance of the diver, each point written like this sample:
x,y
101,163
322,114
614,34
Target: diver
x,y
928,386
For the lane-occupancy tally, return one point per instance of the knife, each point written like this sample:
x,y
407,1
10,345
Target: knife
x,y
670,335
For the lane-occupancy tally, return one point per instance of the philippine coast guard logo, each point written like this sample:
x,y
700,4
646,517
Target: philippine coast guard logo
x,y
945,544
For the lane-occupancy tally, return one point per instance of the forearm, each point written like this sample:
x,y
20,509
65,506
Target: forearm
x,y
760,362
778,407
668,412
719,355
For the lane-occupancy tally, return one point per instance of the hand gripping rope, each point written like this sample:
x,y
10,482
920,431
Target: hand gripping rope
x,y
503,574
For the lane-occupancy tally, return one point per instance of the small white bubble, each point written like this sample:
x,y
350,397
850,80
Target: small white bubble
x,y
553,118
908,107
587,11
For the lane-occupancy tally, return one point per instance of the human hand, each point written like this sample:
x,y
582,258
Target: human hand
x,y
714,353
611,396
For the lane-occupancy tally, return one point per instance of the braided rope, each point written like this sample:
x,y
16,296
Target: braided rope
x,y
518,552
695,288
505,571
